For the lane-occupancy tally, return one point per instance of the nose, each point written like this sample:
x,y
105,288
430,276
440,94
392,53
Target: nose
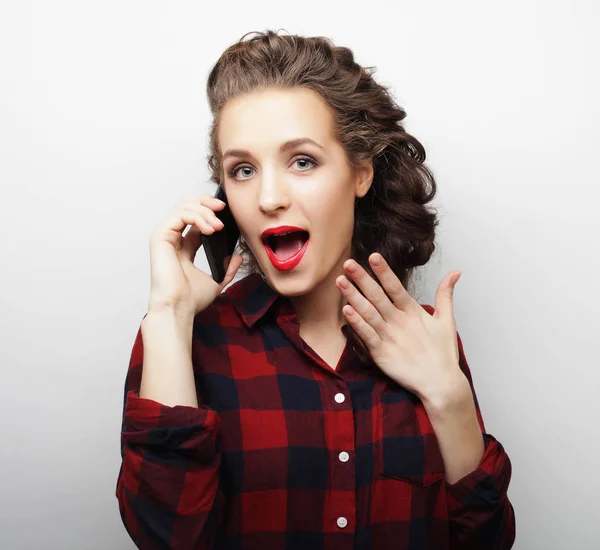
x,y
274,194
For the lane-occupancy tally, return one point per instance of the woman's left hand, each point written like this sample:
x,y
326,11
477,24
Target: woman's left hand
x,y
417,350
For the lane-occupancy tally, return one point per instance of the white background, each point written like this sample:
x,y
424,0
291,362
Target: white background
x,y
103,129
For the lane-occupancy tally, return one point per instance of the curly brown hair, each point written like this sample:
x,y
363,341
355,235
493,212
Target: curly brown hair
x,y
392,218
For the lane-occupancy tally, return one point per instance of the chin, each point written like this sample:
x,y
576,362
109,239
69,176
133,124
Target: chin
x,y
298,281
289,283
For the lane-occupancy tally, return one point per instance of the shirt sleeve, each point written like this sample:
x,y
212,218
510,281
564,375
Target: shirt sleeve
x,y
480,513
167,486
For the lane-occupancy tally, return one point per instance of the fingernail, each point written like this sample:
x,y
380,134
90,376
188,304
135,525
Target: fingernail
x,y
352,267
376,259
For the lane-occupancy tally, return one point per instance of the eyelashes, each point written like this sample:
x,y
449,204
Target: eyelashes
x,y
233,172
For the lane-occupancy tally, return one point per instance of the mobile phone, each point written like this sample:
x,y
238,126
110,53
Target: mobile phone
x,y
220,245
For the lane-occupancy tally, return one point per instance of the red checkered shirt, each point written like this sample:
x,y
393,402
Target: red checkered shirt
x,y
285,452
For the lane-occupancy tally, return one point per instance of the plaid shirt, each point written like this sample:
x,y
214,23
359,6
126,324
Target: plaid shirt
x,y
287,453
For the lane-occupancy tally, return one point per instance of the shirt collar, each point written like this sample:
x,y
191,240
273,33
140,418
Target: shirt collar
x,y
252,297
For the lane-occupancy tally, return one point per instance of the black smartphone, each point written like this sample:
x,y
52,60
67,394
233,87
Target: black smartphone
x,y
220,245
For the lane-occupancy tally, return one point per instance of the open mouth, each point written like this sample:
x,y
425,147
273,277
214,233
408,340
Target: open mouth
x,y
286,245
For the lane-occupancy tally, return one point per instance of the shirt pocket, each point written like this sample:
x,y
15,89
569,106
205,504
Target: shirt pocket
x,y
407,446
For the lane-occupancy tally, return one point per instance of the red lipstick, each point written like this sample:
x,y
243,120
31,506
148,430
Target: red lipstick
x,y
287,263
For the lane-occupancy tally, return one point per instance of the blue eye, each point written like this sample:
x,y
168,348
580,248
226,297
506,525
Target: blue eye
x,y
307,159
233,172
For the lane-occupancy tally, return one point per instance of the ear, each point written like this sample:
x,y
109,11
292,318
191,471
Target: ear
x,y
364,178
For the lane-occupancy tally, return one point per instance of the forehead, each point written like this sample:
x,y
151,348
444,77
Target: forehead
x,y
270,117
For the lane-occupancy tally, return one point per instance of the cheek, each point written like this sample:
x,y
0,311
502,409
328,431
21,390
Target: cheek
x,y
330,197
334,216
242,214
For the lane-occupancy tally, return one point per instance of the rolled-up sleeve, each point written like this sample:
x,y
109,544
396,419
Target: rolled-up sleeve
x,y
480,512
167,485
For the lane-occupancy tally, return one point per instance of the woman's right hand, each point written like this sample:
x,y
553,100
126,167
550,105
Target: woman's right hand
x,y
176,283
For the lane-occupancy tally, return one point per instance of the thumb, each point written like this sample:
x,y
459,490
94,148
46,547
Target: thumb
x,y
444,297
234,264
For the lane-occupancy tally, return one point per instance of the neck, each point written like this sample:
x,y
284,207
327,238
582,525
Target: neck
x,y
321,309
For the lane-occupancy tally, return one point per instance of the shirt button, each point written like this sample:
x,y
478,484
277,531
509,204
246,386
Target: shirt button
x,y
344,456
342,522
339,397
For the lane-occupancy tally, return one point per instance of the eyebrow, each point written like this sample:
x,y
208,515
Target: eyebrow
x,y
284,147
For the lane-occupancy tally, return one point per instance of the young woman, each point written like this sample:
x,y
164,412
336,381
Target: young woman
x,y
314,403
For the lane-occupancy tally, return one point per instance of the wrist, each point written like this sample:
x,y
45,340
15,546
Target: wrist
x,y
452,396
181,318
158,308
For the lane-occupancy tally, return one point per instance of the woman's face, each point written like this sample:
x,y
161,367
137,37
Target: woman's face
x,y
284,173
